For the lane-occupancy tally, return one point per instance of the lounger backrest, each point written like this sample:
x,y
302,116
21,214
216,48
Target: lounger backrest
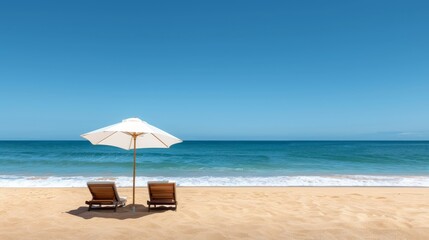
x,y
162,190
103,190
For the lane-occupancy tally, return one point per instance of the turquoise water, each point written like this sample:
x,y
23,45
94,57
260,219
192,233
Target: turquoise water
x,y
306,163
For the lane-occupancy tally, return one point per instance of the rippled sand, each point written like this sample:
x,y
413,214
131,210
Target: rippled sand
x,y
221,213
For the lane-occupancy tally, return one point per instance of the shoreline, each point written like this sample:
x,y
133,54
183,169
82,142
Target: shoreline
x,y
179,186
226,181
221,213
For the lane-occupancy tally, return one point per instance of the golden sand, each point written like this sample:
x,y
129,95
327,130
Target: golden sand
x,y
221,213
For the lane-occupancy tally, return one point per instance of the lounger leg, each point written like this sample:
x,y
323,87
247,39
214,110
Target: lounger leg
x,y
148,208
89,208
116,205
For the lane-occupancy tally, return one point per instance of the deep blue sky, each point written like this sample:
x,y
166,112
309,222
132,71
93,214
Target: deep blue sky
x,y
290,70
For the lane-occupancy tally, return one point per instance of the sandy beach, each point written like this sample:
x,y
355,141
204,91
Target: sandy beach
x,y
221,213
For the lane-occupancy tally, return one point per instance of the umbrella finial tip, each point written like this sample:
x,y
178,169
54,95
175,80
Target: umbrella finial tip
x,y
133,119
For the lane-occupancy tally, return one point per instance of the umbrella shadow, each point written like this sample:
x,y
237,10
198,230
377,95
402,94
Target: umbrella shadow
x,y
121,213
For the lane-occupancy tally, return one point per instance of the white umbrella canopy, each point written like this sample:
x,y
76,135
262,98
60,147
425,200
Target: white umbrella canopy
x,y
122,135
131,133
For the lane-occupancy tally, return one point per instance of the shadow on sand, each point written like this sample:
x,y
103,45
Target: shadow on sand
x,y
121,213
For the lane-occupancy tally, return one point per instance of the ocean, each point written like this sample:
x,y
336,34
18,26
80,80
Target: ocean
x,y
218,163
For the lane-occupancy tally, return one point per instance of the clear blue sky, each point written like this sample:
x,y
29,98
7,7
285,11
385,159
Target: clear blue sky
x,y
292,70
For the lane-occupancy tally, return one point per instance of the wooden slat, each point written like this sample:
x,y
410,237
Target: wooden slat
x,y
162,193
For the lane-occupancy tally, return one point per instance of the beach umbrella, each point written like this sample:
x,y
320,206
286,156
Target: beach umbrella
x,y
132,133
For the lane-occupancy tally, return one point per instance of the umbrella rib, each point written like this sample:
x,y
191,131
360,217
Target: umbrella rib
x,y
131,142
160,140
106,137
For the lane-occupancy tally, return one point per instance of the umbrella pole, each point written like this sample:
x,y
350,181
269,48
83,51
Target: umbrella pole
x,y
134,174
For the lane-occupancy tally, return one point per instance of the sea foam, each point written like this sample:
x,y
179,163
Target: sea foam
x,y
334,180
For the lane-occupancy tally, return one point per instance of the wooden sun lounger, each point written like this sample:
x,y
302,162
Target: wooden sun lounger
x,y
162,193
104,193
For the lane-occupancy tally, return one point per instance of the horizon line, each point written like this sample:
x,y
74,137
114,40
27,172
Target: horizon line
x,y
241,140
